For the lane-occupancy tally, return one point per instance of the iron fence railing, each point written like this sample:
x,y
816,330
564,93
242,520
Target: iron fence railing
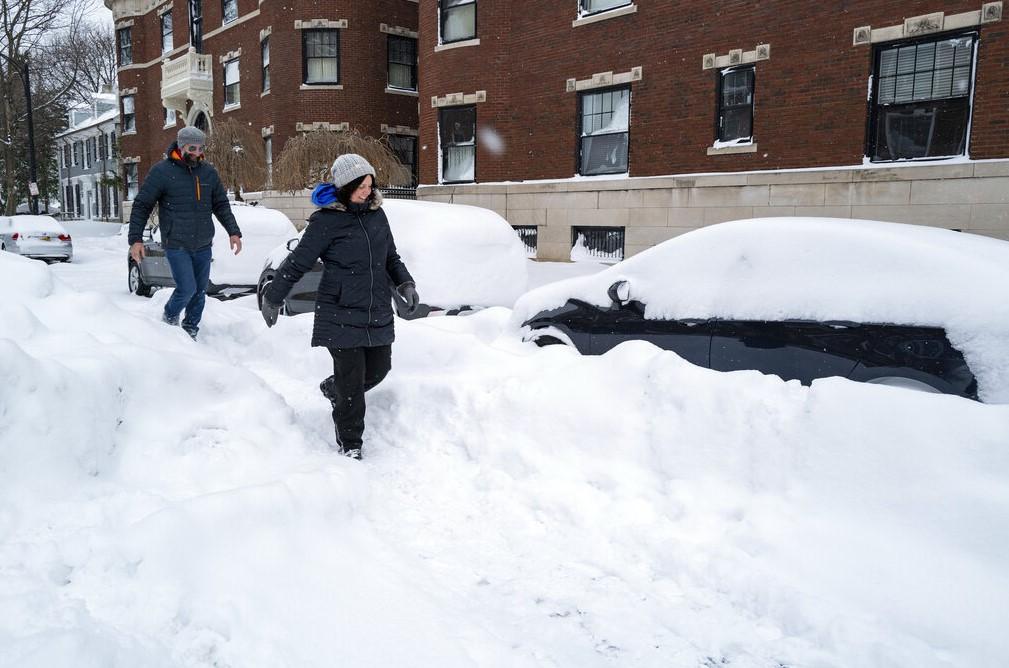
x,y
528,235
399,193
597,243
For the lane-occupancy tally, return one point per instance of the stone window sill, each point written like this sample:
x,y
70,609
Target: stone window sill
x,y
457,45
265,92
732,150
401,91
231,107
603,16
305,86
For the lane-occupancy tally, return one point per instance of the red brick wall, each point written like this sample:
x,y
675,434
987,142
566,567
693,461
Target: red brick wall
x,y
810,97
363,101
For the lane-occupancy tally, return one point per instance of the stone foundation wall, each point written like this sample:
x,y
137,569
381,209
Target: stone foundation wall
x,y
970,197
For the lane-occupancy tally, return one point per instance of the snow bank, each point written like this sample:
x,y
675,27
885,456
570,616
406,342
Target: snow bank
x,y
822,269
262,229
31,224
170,503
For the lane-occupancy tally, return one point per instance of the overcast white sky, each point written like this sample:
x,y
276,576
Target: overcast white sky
x,y
98,13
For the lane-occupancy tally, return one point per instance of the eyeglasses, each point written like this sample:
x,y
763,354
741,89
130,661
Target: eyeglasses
x,y
194,148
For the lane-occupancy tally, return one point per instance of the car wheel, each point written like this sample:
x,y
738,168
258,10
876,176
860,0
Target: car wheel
x,y
136,282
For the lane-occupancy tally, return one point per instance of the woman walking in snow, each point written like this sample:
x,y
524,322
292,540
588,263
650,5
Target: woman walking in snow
x,y
353,307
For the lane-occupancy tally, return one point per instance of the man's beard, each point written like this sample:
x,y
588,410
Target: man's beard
x,y
191,159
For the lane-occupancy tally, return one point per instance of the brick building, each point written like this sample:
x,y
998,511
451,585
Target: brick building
x,y
280,67
645,119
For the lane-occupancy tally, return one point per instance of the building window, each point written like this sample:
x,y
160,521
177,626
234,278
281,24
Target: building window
x,y
166,32
405,148
66,156
597,244
229,10
102,155
170,117
402,62
78,207
113,147
125,47
596,6
528,234
196,25
458,20
88,154
130,177
921,100
321,56
264,48
77,153
457,131
268,150
605,120
231,81
68,201
735,104
129,114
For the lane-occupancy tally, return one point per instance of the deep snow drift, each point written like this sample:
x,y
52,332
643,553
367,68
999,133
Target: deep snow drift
x,y
170,503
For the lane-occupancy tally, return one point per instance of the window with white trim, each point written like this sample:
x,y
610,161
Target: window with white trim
x,y
125,46
405,148
735,104
595,6
268,151
457,133
231,83
605,120
402,62
166,33
458,20
170,117
921,98
229,10
131,177
320,56
264,50
129,114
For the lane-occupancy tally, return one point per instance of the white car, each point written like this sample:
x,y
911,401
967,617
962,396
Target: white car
x,y
230,275
39,237
461,257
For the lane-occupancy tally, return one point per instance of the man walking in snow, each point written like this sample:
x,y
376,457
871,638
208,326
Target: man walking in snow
x,y
187,191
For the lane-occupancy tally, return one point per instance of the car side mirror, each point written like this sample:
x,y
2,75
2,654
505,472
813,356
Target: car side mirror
x,y
619,292
292,244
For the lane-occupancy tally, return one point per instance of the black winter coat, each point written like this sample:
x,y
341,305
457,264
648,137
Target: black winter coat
x,y
186,196
361,268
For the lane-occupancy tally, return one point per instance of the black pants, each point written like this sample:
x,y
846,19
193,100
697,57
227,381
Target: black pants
x,y
355,371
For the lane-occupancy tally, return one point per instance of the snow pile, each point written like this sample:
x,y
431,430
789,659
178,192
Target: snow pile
x,y
28,224
170,503
822,269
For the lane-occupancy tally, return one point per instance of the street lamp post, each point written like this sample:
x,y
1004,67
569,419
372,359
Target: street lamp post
x,y
32,171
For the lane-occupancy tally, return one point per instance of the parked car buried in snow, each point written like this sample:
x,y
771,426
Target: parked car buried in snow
x,y
230,275
39,237
461,257
801,298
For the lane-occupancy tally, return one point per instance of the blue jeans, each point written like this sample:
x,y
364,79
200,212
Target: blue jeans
x,y
191,271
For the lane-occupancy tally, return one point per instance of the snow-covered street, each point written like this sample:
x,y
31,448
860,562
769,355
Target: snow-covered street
x,y
171,503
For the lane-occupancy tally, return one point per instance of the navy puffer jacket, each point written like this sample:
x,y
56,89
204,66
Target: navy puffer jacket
x,y
186,196
361,268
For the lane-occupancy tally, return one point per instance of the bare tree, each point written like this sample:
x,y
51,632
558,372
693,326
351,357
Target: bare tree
x,y
306,159
25,28
82,61
238,154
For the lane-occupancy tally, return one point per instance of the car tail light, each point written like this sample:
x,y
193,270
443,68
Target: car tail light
x,y
15,236
64,237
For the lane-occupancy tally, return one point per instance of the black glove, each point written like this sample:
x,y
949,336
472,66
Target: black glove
x,y
270,312
409,294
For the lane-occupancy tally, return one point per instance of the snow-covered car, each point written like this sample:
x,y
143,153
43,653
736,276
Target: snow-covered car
x,y
801,298
462,258
39,237
230,275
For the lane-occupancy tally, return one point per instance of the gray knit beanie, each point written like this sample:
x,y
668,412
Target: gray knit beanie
x,y
348,167
190,135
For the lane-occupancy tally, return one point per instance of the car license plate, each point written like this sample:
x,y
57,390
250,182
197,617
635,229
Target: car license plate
x,y
45,238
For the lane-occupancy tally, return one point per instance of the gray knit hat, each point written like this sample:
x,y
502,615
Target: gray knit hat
x,y
348,167
190,135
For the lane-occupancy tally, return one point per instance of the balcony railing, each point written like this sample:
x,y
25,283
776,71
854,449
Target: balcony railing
x,y
188,77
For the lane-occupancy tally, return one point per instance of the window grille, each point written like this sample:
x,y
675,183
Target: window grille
x,y
528,234
597,244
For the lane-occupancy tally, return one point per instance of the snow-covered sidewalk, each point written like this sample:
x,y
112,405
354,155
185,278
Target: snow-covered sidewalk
x,y
165,503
